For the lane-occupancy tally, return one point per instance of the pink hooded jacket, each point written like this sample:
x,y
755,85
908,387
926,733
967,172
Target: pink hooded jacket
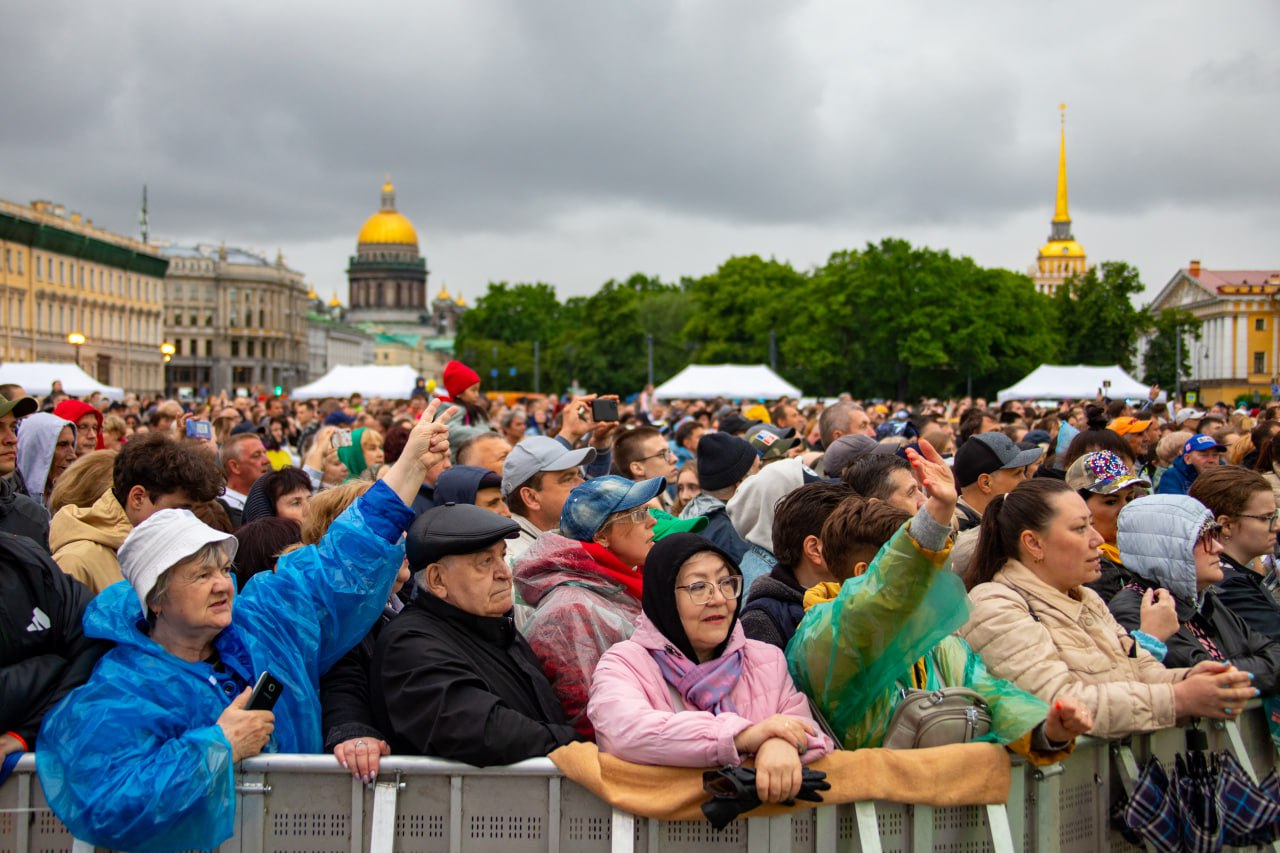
x,y
638,717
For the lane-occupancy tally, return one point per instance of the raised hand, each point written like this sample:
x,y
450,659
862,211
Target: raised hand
x,y
934,476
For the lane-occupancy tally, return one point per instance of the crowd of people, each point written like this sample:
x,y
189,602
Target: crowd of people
x,y
693,583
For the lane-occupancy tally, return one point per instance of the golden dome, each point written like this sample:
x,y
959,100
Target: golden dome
x,y
1061,249
460,302
387,225
335,302
311,294
444,293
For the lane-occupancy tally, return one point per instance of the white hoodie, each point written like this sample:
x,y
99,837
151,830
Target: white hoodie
x,y
751,507
37,438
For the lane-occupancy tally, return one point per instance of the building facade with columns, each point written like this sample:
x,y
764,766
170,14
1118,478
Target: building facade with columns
x,y
236,320
1061,257
61,275
1238,354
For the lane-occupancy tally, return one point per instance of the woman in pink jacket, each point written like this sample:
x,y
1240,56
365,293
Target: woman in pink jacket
x,y
690,690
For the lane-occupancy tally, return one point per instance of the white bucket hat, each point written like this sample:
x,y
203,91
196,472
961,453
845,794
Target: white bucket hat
x,y
161,542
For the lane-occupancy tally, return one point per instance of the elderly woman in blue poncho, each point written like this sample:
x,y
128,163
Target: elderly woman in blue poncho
x,y
142,755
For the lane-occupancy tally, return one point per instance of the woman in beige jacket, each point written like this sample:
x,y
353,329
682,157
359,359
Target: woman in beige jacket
x,y
1036,625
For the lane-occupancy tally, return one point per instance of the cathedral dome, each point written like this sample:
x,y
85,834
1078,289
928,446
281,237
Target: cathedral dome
x,y
388,225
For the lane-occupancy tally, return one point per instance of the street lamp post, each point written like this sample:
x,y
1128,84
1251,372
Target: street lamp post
x,y
76,340
167,350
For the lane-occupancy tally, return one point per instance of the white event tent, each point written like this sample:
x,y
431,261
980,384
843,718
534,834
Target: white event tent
x,y
1075,382
389,382
731,381
37,378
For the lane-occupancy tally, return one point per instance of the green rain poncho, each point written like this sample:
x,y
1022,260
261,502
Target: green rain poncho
x,y
858,644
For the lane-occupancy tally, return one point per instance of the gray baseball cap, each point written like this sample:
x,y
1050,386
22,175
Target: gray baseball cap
x,y
538,453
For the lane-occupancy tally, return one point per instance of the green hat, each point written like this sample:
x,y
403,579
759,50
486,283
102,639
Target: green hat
x,y
20,407
665,524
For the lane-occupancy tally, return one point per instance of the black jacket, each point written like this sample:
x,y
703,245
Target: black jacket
x,y
1237,642
774,608
1241,590
44,653
468,688
345,710
22,516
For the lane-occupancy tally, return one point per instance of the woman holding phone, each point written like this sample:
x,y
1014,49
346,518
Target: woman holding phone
x,y
142,755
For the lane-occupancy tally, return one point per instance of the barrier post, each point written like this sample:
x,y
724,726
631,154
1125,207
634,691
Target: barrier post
x,y
826,829
624,832
1047,794
382,828
22,818
868,826
998,824
553,814
251,793
921,827
357,816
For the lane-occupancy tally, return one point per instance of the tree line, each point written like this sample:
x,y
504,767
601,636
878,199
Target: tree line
x,y
890,319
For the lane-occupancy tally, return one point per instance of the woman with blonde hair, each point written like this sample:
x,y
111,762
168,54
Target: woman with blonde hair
x,y
114,430
84,481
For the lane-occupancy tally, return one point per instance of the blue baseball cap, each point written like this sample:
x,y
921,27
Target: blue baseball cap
x,y
590,504
1203,442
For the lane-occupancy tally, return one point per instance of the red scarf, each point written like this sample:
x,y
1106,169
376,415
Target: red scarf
x,y
611,567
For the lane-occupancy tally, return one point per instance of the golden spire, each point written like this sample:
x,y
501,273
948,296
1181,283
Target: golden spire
x,y
1060,213
444,293
335,302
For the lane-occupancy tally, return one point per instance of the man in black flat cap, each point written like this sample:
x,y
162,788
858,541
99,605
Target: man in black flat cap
x,y
451,676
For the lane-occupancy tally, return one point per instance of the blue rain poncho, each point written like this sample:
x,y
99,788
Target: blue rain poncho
x,y
135,760
856,648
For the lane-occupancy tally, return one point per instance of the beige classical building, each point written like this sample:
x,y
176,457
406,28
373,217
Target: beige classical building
x,y
62,277
236,320
1238,354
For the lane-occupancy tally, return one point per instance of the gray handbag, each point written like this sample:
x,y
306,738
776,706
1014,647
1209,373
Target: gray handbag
x,y
937,718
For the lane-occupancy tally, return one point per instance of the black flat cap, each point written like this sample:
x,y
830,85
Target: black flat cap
x,y
454,529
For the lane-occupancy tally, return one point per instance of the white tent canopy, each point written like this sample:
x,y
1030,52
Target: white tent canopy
x,y
390,382
37,378
1075,382
732,381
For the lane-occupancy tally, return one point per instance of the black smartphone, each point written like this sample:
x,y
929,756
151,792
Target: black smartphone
x,y
604,410
265,693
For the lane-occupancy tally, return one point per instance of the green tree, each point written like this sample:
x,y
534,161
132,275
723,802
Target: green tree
x,y
1158,363
735,308
604,345
498,333
906,321
1097,323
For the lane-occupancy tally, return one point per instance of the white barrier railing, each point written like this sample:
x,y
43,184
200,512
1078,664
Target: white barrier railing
x,y
420,805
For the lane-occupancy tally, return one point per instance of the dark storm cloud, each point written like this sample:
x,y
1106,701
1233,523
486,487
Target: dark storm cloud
x,y
275,121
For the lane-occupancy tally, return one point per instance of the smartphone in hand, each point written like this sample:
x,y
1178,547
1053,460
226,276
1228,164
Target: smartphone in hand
x,y
265,693
604,410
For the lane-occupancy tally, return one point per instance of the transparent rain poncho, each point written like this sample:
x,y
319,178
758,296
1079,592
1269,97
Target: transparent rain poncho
x,y
855,649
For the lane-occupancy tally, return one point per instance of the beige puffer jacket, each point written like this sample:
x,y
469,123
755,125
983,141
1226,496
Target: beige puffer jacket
x,y
1053,645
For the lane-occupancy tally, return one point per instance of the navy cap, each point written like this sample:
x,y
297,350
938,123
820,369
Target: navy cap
x,y
339,418
1203,442
591,503
454,529
244,427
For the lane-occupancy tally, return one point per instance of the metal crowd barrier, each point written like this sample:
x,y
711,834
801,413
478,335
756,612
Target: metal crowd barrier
x,y
307,803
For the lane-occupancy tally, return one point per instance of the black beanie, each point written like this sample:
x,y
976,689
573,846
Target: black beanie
x,y
723,460
661,568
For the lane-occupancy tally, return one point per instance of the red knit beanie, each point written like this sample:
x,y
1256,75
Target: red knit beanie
x,y
458,378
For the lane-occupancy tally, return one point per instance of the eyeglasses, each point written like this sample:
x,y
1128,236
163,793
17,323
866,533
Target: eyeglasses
x,y
1210,533
700,591
1272,520
632,516
668,454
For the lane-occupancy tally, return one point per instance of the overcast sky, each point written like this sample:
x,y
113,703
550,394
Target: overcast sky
x,y
573,142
